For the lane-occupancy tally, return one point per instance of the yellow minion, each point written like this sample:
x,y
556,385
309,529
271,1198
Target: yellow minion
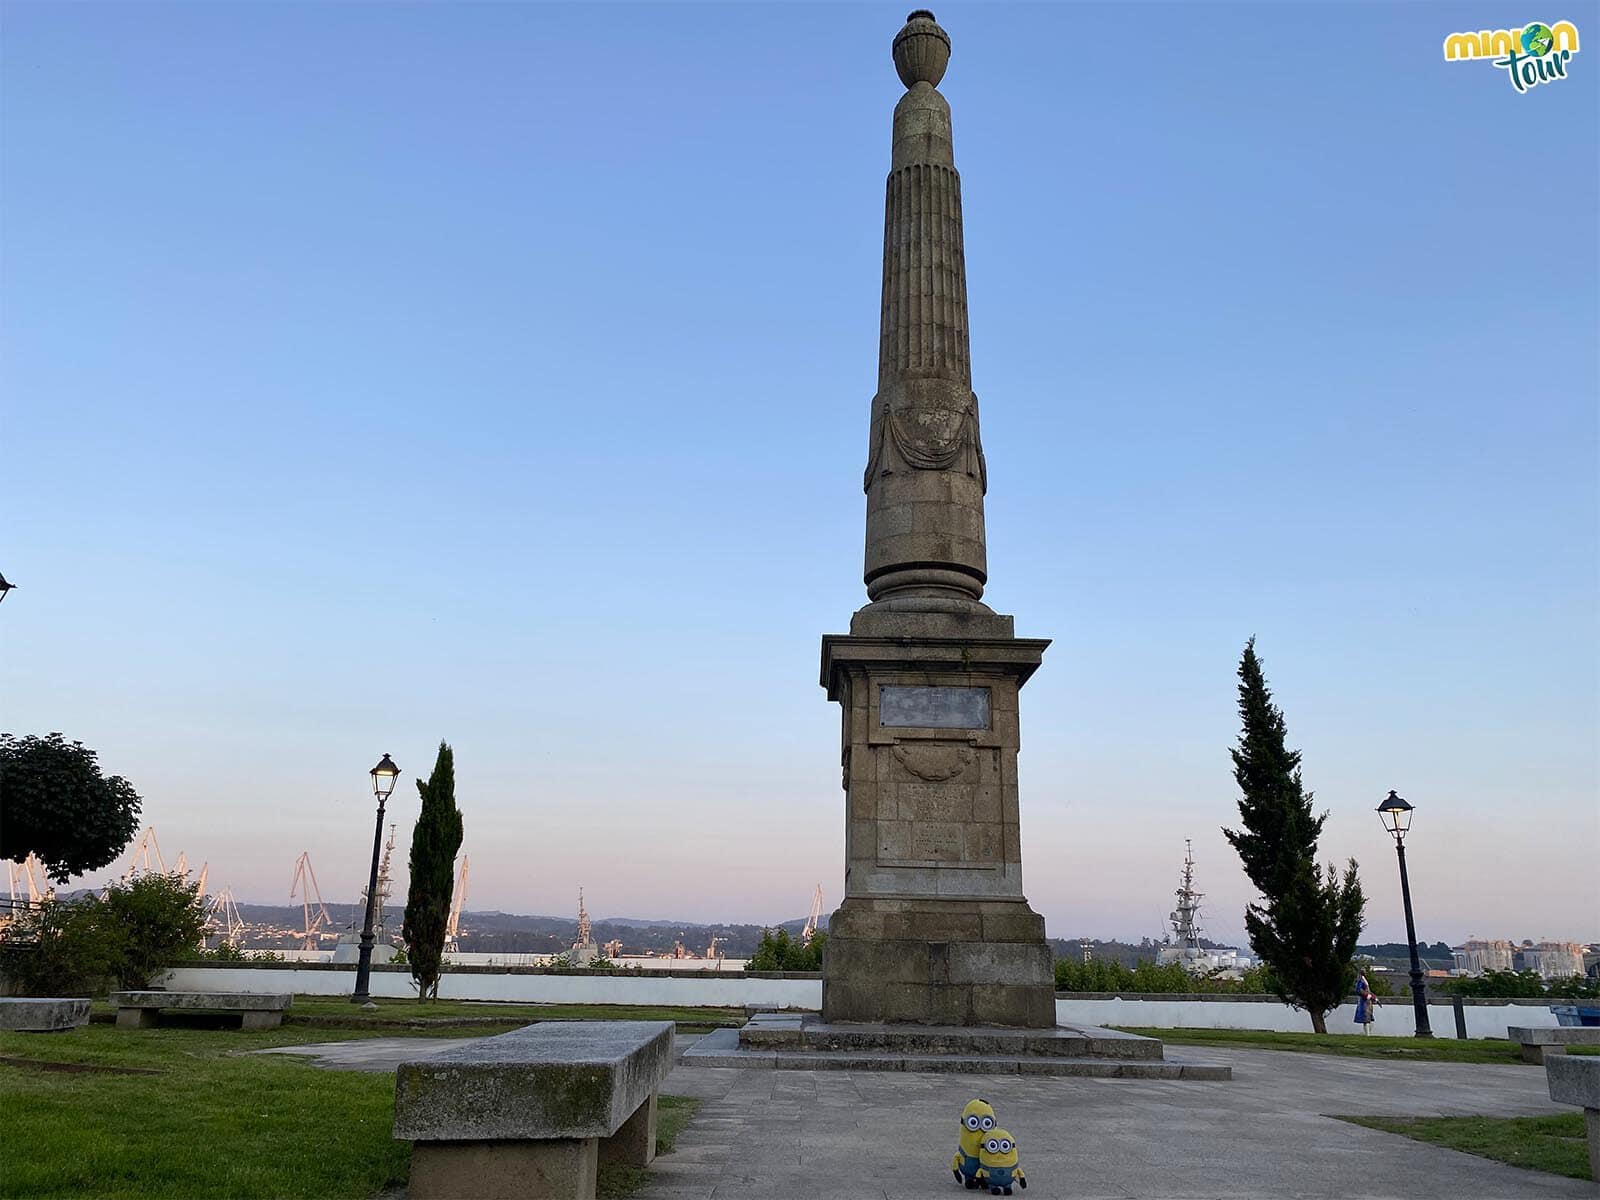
x,y
997,1163
977,1119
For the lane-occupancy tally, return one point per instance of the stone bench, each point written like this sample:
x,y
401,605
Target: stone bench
x,y
532,1112
138,1010
1538,1044
42,1014
1574,1080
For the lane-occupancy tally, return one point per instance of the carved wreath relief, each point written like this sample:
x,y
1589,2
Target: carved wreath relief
x,y
934,763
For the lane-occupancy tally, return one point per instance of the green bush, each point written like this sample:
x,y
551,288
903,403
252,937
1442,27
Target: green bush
x,y
61,948
1512,985
161,919
1504,984
779,952
1574,987
127,935
228,952
1109,976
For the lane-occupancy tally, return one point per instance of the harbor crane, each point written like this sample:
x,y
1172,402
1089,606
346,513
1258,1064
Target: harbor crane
x,y
810,930
25,875
305,883
139,858
225,914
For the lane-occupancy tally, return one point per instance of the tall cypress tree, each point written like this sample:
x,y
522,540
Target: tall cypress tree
x,y
1307,926
434,843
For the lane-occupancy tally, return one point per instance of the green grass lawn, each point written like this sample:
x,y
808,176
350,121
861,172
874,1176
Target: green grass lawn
x,y
1554,1144
699,1019
183,1112
1356,1045
336,1012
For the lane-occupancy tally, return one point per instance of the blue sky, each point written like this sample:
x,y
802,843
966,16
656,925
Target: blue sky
x,y
381,373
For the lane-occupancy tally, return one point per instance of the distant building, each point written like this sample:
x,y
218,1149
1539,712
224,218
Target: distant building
x,y
1477,956
1554,960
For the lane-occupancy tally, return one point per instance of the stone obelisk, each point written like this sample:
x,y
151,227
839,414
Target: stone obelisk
x,y
934,927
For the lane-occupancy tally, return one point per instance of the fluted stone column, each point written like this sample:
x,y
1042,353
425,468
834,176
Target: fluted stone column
x,y
925,475
934,926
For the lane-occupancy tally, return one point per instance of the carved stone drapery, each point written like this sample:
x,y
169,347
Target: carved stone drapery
x,y
929,439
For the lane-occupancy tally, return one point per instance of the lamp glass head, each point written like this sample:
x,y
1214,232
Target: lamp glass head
x,y
1396,815
383,777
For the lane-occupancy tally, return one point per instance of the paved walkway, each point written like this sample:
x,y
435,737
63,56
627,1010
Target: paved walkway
x,y
821,1134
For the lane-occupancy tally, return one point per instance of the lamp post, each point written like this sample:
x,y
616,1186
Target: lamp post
x,y
1396,816
5,587
383,779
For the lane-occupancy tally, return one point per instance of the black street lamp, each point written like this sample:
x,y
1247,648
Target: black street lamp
x,y
1396,815
5,587
383,778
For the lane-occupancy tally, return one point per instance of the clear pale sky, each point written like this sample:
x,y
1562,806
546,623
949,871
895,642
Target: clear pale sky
x,y
381,373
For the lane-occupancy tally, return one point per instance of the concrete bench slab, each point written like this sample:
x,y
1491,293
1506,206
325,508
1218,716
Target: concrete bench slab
x,y
532,1112
1577,1081
1539,1043
257,1010
42,1014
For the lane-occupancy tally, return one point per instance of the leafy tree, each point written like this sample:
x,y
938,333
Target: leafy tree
x,y
1307,927
55,803
779,952
434,843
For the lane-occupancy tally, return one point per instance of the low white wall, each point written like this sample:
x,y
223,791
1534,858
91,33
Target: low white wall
x,y
713,989
729,991
1394,1016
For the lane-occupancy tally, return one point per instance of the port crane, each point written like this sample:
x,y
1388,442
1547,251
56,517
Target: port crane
x,y
25,876
810,930
139,858
305,884
225,913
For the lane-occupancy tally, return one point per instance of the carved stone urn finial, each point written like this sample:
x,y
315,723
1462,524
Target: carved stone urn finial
x,y
921,50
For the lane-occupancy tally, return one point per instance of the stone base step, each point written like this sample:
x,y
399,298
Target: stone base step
x,y
722,1048
794,1032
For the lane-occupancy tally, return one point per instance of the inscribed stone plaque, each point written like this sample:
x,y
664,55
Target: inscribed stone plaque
x,y
936,841
934,707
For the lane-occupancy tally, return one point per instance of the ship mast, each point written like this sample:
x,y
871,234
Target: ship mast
x,y
1186,917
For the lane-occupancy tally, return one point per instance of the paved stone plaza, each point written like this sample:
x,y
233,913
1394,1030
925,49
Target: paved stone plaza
x,y
799,1134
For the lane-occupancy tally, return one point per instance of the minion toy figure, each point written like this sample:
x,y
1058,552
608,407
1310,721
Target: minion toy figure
x,y
977,1119
997,1163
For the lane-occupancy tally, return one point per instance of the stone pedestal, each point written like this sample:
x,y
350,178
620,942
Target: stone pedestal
x,y
934,927
503,1170
532,1112
634,1145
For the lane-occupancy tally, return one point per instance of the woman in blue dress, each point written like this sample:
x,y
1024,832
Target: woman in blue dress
x,y
1365,1003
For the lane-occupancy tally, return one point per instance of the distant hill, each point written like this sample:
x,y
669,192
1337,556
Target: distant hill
x,y
494,932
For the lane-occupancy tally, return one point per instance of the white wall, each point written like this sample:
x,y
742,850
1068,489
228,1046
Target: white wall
x,y
713,991
1394,1016
733,991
